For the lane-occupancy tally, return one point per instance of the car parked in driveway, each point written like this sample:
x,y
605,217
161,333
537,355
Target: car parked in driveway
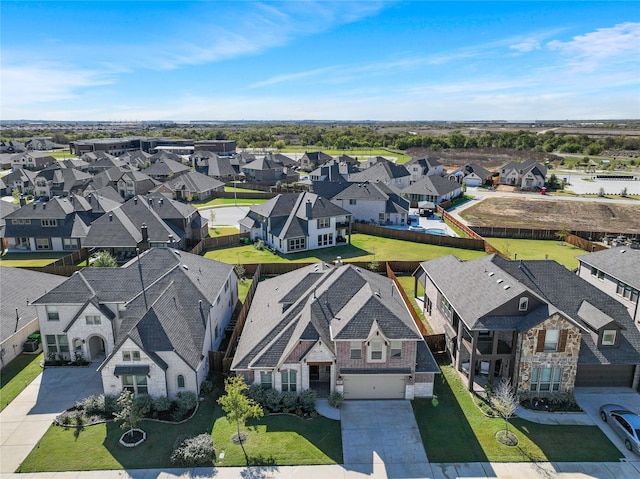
x,y
625,423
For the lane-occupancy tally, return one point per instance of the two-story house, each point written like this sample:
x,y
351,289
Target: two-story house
x,y
297,222
334,328
57,180
32,160
151,322
534,322
385,172
615,271
312,159
421,167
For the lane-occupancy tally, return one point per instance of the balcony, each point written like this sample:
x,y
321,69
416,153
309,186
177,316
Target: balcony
x,y
485,347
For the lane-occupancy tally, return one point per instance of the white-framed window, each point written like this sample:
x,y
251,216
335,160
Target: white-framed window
x,y
551,339
43,243
324,223
396,349
131,355
70,243
289,379
93,319
627,291
376,350
546,379
135,384
180,380
355,350
353,201
52,313
57,343
524,304
297,244
325,239
49,223
609,337
266,380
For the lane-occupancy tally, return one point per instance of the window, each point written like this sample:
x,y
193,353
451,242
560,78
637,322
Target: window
x,y
609,337
180,381
265,380
93,319
52,313
49,223
524,304
627,291
324,223
429,306
135,355
43,243
57,343
325,239
131,355
21,222
551,339
376,350
381,217
356,350
546,379
288,380
297,244
601,275
353,202
70,243
396,349
246,377
135,384
446,308
126,355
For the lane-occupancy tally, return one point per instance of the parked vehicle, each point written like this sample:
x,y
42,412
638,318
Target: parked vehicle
x,y
416,228
625,423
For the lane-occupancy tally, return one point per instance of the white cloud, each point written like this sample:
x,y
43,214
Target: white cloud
x,y
526,46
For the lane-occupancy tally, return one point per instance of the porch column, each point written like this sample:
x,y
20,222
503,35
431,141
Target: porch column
x,y
472,361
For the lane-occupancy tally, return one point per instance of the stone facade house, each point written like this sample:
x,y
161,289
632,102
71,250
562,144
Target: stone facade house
x,y
527,174
334,328
534,322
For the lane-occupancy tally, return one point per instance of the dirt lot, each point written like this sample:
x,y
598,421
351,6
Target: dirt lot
x,y
550,214
489,158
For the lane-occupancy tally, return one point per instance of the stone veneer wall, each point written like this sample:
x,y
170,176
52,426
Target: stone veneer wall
x,y
567,360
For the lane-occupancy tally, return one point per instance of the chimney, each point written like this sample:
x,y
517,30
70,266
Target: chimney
x,y
135,200
151,202
110,216
23,200
308,209
161,201
145,233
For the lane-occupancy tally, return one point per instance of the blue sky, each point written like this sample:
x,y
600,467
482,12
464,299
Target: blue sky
x,y
296,60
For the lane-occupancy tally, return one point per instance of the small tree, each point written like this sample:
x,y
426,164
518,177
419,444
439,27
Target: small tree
x,y
562,233
16,195
238,407
624,192
129,412
601,192
105,260
504,402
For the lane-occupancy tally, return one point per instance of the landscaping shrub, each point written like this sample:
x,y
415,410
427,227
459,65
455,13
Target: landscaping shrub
x,y
307,400
256,392
556,402
162,404
336,399
193,451
259,245
206,387
185,404
92,405
289,401
144,403
273,400
110,404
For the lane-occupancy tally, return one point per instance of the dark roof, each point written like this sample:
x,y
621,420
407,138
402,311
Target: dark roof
x,y
432,186
381,171
622,263
136,369
194,182
166,167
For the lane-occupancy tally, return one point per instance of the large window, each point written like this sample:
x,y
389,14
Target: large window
x,y
446,308
325,239
266,380
297,244
551,339
546,379
135,384
609,337
93,319
43,243
396,349
49,223
70,243
288,380
356,350
57,343
524,304
324,223
52,313
627,291
376,350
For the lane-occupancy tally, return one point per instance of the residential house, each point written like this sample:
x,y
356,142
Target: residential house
x,y
41,144
615,271
11,147
264,170
219,168
32,160
297,222
138,159
126,181
18,317
105,163
20,179
191,186
435,189
5,209
367,202
6,160
152,321
94,156
165,155
312,159
165,169
334,170
527,174
57,180
373,160
534,322
76,163
385,172
422,167
334,328
473,175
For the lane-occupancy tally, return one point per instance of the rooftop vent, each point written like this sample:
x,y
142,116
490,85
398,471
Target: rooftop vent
x,y
491,273
499,281
506,287
185,266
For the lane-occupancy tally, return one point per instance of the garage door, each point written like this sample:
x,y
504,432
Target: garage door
x,y
605,375
370,386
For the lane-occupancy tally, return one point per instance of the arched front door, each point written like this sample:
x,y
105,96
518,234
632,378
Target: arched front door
x,y
96,347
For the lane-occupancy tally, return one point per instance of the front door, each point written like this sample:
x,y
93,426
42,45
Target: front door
x,y
314,372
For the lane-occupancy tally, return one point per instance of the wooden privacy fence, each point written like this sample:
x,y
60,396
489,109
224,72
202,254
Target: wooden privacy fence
x,y
244,195
218,242
72,259
414,314
458,224
584,244
543,234
437,342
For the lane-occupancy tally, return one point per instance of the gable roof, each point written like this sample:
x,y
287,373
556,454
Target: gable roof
x,y
194,181
166,167
432,186
381,171
621,262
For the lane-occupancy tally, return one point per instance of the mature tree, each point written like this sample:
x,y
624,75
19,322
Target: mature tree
x,y
238,407
105,260
504,402
129,412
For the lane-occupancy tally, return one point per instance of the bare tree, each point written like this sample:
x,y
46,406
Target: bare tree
x,y
504,401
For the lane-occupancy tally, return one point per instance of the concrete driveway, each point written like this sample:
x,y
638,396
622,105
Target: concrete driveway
x,y
382,436
590,400
27,418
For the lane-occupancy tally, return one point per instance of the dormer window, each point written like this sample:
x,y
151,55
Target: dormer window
x,y
377,351
524,304
609,337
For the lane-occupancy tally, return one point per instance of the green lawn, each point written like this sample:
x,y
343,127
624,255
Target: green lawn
x,y
217,202
407,284
363,248
231,189
62,155
30,259
358,152
17,375
223,231
243,288
470,436
563,253
279,440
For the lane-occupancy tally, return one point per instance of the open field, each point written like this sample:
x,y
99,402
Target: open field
x,y
563,253
354,153
362,248
546,213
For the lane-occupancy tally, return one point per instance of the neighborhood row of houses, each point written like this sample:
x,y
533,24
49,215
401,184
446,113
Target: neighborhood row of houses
x,y
336,327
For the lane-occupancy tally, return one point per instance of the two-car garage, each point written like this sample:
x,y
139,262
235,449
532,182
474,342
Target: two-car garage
x,y
374,386
605,375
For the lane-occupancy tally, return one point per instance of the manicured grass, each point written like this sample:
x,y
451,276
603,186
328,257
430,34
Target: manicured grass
x,y
279,440
30,259
407,284
217,202
359,152
231,189
363,248
563,253
223,231
62,155
470,436
243,288
17,375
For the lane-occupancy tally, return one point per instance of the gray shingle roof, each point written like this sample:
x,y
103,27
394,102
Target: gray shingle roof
x,y
622,263
381,171
432,186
